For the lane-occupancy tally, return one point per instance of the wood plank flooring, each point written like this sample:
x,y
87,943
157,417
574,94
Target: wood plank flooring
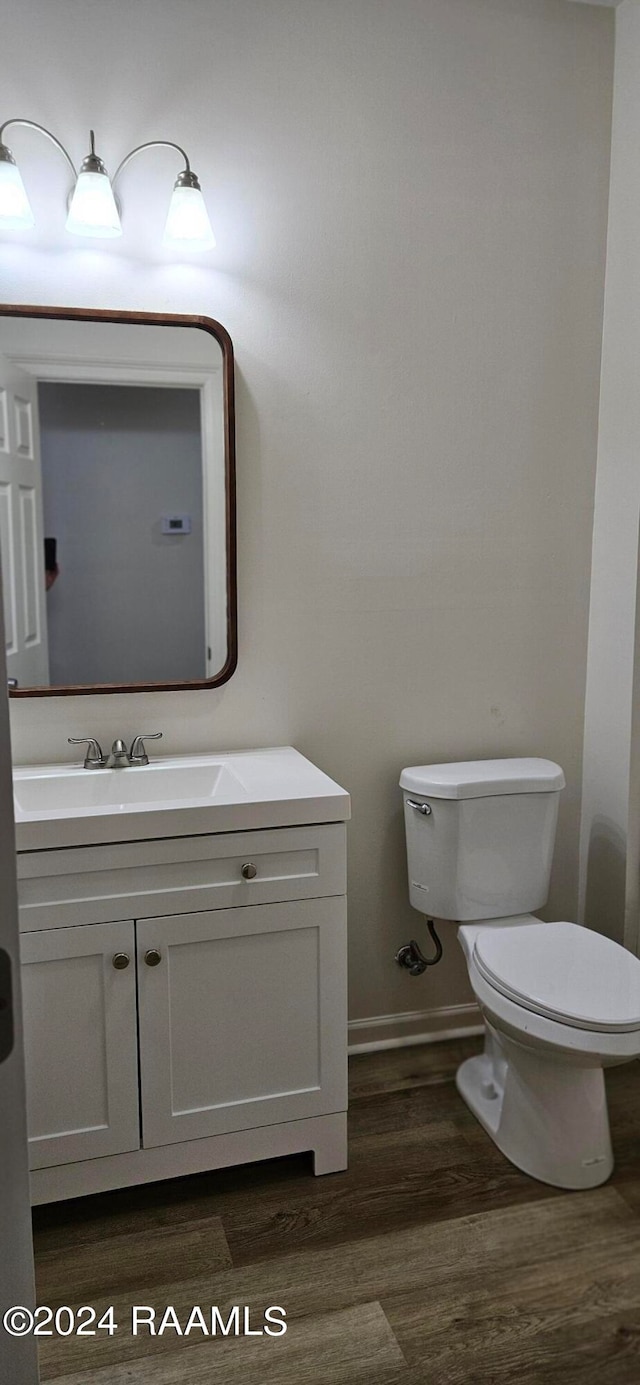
x,y
431,1261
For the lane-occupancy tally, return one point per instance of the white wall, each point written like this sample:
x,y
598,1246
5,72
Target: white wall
x,y
410,205
610,848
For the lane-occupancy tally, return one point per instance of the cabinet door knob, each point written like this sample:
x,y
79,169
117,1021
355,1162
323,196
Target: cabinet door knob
x,y
249,871
153,957
121,960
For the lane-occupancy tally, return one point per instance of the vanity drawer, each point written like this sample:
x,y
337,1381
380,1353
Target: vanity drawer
x,y
100,884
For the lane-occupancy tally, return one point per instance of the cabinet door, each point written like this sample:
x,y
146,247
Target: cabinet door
x,y
80,1042
242,1019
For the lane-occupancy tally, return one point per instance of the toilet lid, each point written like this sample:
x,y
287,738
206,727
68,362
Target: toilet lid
x,y
568,973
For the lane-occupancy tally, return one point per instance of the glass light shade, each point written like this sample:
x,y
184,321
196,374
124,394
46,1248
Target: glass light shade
x,y
93,210
15,212
188,222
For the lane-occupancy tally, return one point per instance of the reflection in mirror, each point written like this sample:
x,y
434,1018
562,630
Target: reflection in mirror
x,y
116,502
122,503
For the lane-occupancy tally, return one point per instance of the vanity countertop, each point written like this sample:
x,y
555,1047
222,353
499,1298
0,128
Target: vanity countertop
x,y
174,796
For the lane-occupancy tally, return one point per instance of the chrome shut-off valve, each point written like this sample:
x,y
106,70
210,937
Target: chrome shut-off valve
x,y
412,958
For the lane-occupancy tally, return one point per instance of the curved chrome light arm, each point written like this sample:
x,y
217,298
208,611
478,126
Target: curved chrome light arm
x,y
151,144
187,221
32,125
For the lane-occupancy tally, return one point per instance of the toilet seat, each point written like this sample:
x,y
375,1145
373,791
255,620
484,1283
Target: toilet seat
x,y
563,972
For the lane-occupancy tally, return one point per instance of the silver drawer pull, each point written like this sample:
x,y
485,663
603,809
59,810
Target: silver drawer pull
x,y
423,808
121,960
249,871
153,957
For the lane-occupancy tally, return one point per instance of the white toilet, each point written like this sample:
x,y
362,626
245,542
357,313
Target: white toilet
x,y
560,1002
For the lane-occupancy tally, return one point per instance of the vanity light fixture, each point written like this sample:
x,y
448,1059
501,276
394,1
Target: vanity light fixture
x,y
93,208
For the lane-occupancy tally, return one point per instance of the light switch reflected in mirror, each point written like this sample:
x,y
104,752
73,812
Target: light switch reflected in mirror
x,y
117,501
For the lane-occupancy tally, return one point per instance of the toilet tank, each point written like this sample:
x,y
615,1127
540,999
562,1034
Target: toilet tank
x,y
480,836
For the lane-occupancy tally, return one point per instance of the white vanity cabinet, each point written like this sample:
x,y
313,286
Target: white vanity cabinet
x,y
184,1005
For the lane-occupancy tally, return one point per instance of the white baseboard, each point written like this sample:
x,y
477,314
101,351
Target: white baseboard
x,y
414,1027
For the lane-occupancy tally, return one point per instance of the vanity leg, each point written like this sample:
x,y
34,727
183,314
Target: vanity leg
x,y
330,1147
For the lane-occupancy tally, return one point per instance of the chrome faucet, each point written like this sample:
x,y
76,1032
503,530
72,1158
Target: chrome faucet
x,y
120,757
94,758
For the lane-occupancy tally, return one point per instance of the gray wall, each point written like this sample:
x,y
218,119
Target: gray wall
x,y
128,605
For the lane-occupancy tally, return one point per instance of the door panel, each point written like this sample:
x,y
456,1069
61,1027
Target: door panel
x,y
8,557
4,419
21,529
80,1043
243,1020
23,415
30,542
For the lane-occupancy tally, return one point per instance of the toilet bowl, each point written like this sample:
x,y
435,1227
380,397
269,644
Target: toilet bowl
x,y
560,1002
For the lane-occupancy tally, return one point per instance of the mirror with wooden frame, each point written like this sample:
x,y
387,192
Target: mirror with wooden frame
x,y
117,501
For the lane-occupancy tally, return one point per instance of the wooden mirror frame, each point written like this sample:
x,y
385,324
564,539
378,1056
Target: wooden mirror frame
x,y
215,329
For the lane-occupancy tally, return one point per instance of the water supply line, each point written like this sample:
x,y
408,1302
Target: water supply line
x,y
412,957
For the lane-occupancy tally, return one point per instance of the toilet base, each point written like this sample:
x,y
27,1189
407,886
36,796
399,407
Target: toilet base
x,y
548,1116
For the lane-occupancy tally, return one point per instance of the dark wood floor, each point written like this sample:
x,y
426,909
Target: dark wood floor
x,y
430,1262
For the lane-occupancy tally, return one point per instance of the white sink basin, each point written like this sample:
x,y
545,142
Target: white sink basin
x,y
183,795
68,789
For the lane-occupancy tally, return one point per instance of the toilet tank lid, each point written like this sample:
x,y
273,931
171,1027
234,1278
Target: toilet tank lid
x,y
483,778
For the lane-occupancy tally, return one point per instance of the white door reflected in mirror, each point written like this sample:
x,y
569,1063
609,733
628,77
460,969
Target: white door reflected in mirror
x,y
21,529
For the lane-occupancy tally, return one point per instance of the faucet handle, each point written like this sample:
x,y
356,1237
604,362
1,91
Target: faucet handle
x,y
94,759
138,754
